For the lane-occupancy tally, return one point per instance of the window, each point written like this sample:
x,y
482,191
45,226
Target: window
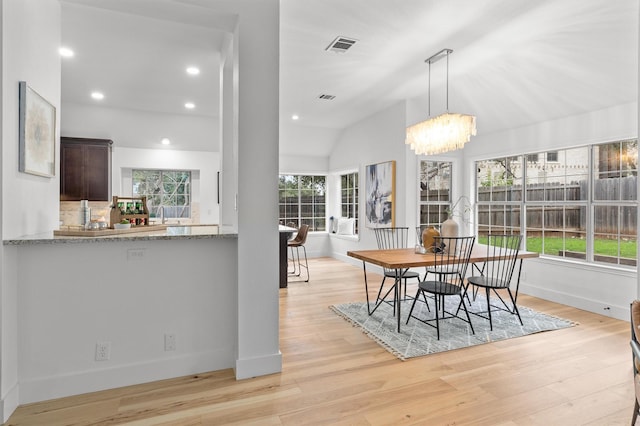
x,y
435,191
578,203
349,197
499,194
614,192
557,204
302,200
168,192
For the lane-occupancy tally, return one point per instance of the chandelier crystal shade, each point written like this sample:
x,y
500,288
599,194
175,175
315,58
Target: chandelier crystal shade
x,y
445,132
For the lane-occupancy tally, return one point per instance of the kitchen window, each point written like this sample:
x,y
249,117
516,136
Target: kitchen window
x,y
168,192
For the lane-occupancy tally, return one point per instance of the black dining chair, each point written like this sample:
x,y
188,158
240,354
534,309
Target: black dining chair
x,y
449,270
496,275
392,238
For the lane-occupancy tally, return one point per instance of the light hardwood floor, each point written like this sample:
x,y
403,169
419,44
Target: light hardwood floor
x,y
334,375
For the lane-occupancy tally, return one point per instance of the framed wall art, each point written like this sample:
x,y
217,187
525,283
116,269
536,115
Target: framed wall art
x,y
37,133
380,190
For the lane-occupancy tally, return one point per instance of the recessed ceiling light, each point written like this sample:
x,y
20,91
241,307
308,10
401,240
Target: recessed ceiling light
x,y
193,70
97,95
295,117
165,141
189,105
65,52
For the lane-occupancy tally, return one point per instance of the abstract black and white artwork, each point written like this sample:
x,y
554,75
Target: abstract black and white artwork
x,y
380,192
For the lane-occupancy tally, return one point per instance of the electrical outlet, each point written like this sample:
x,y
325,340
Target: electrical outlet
x,y
169,342
136,254
103,351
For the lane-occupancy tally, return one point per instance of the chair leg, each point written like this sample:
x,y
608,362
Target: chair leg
x,y
295,255
437,318
515,307
488,293
298,260
384,278
405,289
415,299
465,294
306,262
424,296
295,272
293,260
466,311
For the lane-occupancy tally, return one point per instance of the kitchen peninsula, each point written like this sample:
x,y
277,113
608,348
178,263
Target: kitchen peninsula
x,y
170,232
129,293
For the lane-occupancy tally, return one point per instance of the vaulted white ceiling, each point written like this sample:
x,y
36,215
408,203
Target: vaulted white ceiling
x,y
515,62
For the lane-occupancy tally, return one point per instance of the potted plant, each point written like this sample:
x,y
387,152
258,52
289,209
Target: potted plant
x,y
124,224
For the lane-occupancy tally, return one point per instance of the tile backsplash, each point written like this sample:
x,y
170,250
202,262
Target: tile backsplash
x,y
70,213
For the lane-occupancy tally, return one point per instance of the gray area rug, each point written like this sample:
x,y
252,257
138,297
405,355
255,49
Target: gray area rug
x,y
418,339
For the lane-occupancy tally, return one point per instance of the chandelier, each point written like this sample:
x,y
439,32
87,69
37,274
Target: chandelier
x,y
445,132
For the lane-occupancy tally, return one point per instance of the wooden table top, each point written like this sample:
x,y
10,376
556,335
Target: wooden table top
x,y
407,258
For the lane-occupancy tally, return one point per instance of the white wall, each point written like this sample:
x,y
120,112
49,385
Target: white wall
x,y
297,139
185,288
291,164
132,128
204,183
29,203
31,56
611,124
376,139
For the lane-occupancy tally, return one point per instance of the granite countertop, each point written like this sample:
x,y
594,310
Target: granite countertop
x,y
181,232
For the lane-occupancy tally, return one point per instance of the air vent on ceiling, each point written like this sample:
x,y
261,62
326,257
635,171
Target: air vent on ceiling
x,y
340,44
326,97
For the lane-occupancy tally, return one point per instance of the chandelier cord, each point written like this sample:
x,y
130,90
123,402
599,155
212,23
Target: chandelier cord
x,y
429,101
447,81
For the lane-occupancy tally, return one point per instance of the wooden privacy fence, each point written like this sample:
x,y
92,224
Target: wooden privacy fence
x,y
608,219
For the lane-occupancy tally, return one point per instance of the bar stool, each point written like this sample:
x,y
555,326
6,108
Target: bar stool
x,y
295,243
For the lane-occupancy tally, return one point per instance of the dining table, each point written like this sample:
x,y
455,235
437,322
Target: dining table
x,y
403,259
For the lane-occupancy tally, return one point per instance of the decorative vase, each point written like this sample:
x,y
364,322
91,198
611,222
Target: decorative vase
x,y
428,237
449,228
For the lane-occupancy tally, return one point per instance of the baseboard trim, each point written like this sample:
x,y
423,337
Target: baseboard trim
x,y
45,388
595,306
247,368
355,262
9,403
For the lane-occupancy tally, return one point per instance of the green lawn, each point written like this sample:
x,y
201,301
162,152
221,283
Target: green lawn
x,y
628,249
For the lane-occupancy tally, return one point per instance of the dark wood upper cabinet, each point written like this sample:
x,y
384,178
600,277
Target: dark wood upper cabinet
x,y
85,169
